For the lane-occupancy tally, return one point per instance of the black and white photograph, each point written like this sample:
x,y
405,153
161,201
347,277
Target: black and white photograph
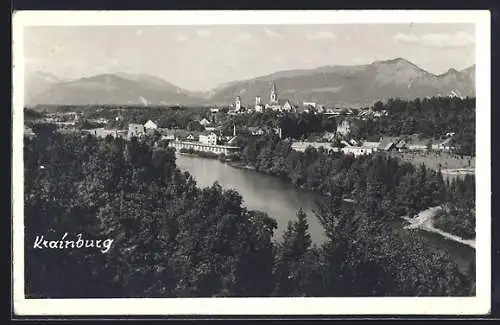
x,y
329,158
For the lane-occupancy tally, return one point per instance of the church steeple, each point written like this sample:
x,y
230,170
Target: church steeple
x,y
237,103
274,95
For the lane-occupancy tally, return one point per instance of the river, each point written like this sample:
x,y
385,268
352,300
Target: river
x,y
281,200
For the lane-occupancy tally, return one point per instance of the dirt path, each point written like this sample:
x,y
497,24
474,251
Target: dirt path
x,y
424,221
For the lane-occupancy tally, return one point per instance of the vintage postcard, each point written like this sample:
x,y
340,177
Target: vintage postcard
x,y
251,163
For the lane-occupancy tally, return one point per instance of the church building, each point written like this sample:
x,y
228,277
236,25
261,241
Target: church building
x,y
237,104
278,105
258,104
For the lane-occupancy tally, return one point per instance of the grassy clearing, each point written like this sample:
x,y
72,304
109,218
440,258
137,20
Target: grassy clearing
x,y
436,160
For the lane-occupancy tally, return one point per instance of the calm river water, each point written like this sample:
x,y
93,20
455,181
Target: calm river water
x,y
282,200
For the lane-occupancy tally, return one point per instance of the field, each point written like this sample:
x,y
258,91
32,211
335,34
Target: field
x,y
437,160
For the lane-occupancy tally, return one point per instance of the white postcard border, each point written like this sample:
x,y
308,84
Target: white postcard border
x,y
480,304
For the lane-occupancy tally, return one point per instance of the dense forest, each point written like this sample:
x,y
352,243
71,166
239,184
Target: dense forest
x,y
173,239
459,214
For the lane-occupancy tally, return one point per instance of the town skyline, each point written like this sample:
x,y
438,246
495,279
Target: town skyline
x,y
235,53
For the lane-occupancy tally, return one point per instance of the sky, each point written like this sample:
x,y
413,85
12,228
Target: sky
x,y
199,58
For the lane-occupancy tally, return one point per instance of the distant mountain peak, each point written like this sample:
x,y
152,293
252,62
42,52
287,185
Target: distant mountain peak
x,y
398,60
354,85
113,89
103,76
332,85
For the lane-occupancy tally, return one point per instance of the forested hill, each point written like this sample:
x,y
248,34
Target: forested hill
x,y
173,239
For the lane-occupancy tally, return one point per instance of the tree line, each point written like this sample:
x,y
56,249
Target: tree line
x,y
174,239
459,214
400,187
429,117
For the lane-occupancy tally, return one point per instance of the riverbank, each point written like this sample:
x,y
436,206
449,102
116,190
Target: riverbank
x,y
425,221
198,155
239,165
281,200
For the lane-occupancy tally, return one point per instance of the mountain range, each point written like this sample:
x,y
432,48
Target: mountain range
x,y
357,85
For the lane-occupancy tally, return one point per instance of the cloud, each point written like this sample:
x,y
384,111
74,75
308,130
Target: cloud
x,y
181,38
440,40
243,37
322,35
203,33
277,59
271,33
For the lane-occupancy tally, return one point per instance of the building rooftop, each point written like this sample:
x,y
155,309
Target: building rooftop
x,y
254,128
386,143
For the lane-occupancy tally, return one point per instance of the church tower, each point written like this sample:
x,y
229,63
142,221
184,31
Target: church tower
x,y
274,95
237,103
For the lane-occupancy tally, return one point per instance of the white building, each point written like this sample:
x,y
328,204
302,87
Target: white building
x,y
274,99
205,122
255,130
103,133
310,104
136,130
150,125
237,104
287,106
209,138
371,144
258,104
443,145
358,151
278,131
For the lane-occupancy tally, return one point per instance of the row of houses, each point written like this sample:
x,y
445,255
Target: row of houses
x,y
406,143
327,146
103,133
414,143
358,148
